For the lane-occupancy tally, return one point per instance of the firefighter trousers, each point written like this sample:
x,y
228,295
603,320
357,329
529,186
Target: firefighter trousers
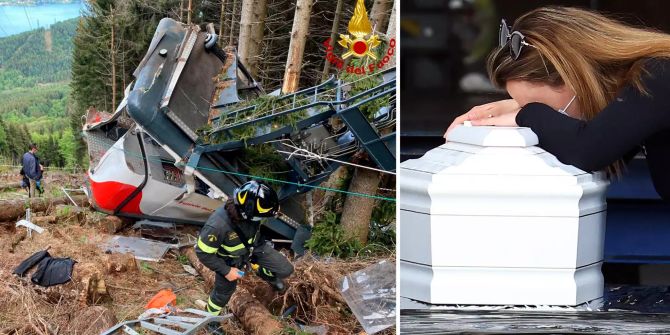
x,y
272,265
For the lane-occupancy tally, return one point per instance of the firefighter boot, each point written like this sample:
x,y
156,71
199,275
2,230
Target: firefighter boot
x,y
214,328
276,283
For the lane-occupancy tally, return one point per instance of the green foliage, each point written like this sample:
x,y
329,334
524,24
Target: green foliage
x,y
90,58
384,212
3,139
32,111
328,238
146,268
17,140
63,211
260,160
362,83
10,78
383,215
67,148
25,61
36,115
27,105
263,161
264,105
182,259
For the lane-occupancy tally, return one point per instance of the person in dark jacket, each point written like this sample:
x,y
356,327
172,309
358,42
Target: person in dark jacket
x,y
594,90
230,243
32,169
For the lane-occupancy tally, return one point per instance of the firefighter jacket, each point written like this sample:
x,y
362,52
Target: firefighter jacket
x,y
219,246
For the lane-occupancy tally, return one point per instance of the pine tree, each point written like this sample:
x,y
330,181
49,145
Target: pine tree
x,y
89,58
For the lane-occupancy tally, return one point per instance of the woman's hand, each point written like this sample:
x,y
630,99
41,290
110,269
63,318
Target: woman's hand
x,y
504,120
497,113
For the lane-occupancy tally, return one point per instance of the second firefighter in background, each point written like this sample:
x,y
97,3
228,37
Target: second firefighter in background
x,y
231,240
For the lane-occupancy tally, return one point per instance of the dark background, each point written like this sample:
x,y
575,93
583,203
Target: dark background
x,y
444,40
438,39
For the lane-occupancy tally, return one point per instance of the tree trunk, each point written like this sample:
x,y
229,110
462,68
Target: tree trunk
x,y
357,210
20,236
254,317
10,186
120,263
43,220
11,210
379,13
232,23
90,281
252,25
322,198
333,36
113,52
70,214
123,63
222,22
303,9
111,224
190,8
181,11
390,33
207,274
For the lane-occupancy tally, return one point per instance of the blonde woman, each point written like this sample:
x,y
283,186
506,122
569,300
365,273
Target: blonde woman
x,y
594,90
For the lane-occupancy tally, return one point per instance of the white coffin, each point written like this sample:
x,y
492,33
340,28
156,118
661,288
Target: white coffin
x,y
489,218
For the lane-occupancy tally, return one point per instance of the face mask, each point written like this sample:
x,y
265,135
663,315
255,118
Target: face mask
x,y
563,110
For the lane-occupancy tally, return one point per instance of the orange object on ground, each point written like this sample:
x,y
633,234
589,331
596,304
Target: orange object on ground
x,y
162,299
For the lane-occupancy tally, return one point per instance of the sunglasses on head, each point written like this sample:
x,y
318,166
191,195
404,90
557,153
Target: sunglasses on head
x,y
515,39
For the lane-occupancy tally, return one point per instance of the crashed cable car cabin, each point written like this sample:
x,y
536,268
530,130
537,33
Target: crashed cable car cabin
x,y
171,150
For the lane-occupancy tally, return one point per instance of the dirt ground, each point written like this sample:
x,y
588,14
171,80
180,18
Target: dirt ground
x,y
53,181
29,309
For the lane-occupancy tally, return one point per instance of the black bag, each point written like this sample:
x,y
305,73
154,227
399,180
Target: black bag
x,y
50,271
53,271
29,262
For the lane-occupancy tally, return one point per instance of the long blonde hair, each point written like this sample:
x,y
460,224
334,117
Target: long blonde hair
x,y
588,52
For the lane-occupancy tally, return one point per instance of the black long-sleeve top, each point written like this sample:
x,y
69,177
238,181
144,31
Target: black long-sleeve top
x,y
631,120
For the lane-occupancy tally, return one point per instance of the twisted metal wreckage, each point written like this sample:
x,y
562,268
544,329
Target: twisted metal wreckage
x,y
154,157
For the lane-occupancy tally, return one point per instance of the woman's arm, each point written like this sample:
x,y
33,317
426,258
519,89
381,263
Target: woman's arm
x,y
489,110
626,122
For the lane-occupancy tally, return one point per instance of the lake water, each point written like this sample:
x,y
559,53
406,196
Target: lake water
x,y
17,19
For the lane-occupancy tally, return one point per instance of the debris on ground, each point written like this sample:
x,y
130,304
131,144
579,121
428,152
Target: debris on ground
x,y
141,248
371,295
108,288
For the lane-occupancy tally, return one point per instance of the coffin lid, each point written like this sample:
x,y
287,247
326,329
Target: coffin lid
x,y
489,136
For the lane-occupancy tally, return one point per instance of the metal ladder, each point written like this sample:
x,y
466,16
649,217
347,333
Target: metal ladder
x,y
168,324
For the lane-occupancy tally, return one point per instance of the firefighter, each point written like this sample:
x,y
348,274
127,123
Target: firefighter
x,y
230,244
